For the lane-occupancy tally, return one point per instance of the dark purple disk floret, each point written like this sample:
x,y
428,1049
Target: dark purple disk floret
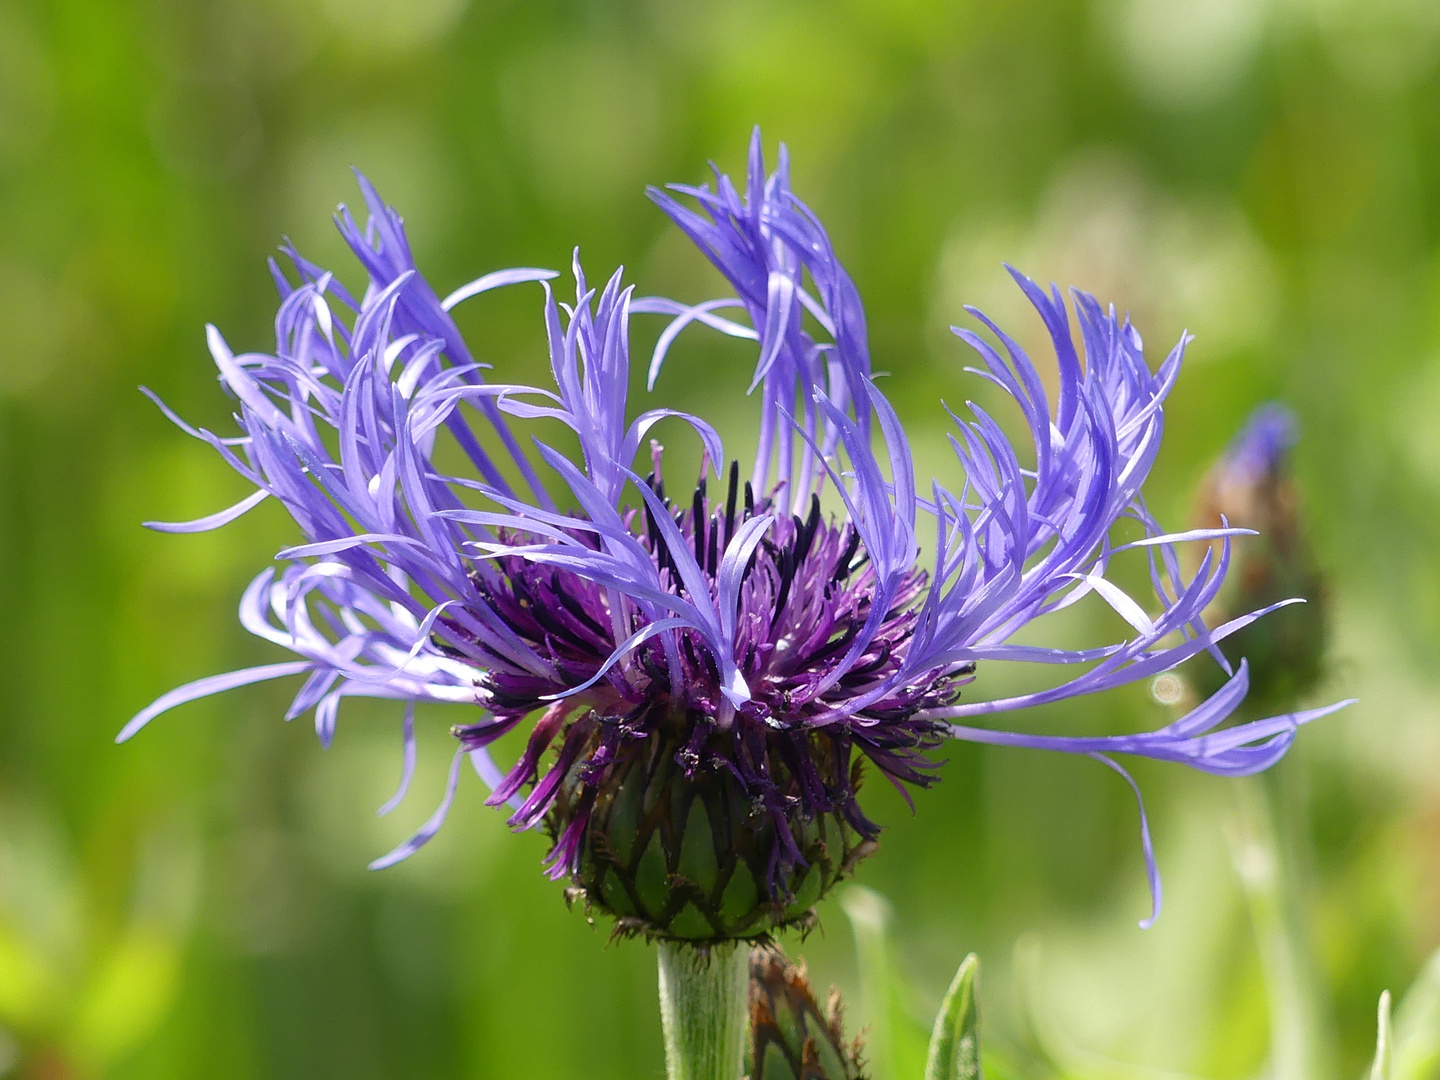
x,y
704,678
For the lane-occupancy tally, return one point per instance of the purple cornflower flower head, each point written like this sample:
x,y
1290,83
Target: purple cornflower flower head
x,y
702,678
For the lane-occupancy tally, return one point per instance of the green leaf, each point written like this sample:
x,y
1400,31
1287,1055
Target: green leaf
x,y
1415,1043
869,914
1380,1068
955,1042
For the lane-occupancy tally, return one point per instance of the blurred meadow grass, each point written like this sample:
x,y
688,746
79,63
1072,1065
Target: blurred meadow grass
x,y
1265,173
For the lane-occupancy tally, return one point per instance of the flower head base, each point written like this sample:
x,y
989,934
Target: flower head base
x,y
709,674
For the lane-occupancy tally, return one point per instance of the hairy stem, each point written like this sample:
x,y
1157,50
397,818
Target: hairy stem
x,y
703,995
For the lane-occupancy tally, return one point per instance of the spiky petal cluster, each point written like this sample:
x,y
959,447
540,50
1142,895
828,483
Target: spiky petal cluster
x,y
769,645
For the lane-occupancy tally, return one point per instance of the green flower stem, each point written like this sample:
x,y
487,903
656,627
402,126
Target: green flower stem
x,y
1265,853
703,998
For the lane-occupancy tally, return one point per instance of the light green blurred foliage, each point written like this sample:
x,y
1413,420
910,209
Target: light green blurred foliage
x,y
84,981
1263,172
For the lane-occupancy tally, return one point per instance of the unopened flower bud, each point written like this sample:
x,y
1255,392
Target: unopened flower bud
x,y
791,1039
1251,487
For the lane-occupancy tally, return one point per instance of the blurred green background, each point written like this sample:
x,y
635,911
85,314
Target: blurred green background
x,y
195,903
